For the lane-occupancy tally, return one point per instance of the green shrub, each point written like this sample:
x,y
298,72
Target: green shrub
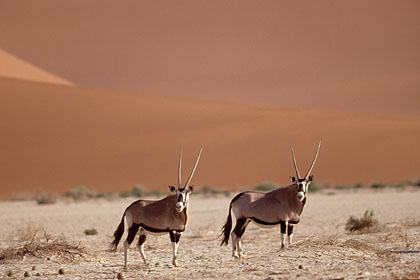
x,y
314,187
91,231
137,191
81,193
266,186
367,223
45,198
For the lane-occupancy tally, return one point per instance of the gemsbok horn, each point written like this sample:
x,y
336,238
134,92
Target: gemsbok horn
x,y
281,206
168,215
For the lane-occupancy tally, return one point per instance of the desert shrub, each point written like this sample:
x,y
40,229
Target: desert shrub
x,y
31,242
209,190
378,186
91,231
358,186
314,187
341,187
266,186
45,198
81,193
154,193
137,191
367,223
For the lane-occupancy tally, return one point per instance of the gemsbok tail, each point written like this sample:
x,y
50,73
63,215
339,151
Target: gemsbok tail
x,y
227,228
118,234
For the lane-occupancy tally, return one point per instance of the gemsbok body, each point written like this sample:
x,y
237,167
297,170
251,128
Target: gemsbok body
x,y
166,216
282,206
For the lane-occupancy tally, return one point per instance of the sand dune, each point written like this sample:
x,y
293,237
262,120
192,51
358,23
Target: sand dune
x,y
56,137
350,56
14,67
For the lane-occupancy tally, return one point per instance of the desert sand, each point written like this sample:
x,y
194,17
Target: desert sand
x,y
56,137
322,248
347,56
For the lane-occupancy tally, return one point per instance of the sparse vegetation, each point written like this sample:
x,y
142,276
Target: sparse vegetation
x,y
367,223
81,193
31,242
91,231
137,191
45,198
209,190
266,186
314,187
378,186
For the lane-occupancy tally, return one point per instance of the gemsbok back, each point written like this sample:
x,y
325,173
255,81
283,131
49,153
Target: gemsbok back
x,y
281,206
168,215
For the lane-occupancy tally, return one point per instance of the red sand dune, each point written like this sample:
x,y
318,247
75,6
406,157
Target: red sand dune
x,y
56,137
338,55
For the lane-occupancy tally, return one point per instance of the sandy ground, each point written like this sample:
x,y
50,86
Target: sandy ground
x,y
322,248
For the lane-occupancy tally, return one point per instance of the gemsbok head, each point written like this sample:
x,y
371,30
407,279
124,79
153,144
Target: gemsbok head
x,y
168,215
281,206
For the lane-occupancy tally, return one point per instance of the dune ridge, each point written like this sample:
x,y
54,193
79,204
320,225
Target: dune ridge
x,y
14,67
56,137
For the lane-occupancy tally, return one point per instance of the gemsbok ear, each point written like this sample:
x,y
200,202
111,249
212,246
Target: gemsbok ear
x,y
191,188
172,188
311,178
292,179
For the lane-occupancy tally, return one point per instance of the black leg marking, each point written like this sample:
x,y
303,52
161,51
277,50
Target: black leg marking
x,y
283,227
177,237
132,231
142,239
240,227
290,229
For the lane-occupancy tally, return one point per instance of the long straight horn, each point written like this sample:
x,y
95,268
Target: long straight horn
x,y
179,169
313,162
195,166
294,163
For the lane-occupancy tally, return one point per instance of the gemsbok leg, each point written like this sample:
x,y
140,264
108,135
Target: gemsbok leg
x,y
237,233
142,240
290,234
283,227
132,231
175,236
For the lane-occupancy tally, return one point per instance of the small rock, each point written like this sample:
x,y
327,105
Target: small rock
x,y
367,273
158,264
34,267
39,274
300,266
10,273
62,271
121,276
27,274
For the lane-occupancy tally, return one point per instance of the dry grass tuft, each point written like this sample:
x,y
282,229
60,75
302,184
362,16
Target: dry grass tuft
x,y
365,224
31,243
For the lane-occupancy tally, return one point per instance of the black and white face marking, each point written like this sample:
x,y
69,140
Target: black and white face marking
x,y
182,197
303,185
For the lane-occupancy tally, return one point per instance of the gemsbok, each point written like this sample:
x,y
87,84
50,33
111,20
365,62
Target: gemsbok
x,y
158,217
281,206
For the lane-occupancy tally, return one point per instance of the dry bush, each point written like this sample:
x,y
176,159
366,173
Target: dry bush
x,y
81,193
31,243
45,198
365,224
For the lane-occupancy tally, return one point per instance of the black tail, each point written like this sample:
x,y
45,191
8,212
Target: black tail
x,y
227,228
118,234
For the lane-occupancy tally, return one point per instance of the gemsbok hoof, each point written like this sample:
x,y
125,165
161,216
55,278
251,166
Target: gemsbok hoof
x,y
175,263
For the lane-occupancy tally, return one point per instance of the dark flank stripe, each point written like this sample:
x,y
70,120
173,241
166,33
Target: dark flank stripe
x,y
156,230
258,221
